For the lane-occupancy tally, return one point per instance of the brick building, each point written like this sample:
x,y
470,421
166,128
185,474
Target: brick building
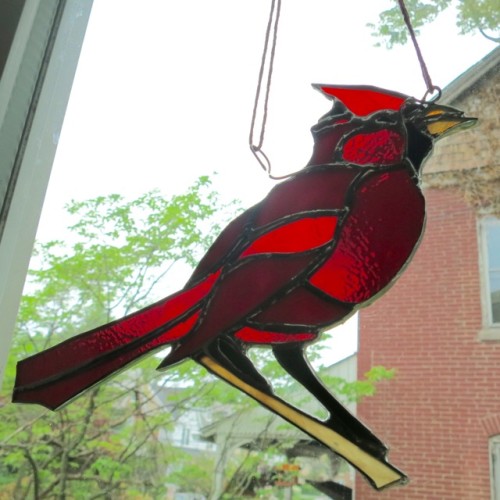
x,y
439,326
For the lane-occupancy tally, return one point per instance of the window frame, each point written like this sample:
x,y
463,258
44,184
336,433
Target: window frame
x,y
490,330
35,82
494,459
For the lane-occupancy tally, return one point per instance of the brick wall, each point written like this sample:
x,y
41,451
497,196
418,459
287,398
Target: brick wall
x,y
444,403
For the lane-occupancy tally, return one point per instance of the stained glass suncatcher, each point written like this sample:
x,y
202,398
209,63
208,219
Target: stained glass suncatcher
x,y
325,242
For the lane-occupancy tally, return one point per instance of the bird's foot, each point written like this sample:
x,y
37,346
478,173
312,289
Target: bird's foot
x,y
230,355
360,435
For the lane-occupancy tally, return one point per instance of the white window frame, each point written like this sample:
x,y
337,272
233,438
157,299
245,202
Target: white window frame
x,y
489,330
34,90
494,451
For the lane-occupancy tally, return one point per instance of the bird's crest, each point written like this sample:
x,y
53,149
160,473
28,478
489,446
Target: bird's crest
x,y
363,100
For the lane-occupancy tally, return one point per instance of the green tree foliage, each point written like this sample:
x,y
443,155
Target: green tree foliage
x,y
472,15
107,443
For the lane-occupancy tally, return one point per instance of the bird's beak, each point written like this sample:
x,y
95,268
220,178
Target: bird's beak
x,y
443,120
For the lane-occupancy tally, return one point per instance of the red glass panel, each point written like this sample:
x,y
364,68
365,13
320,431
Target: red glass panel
x,y
384,225
85,375
364,100
243,291
297,236
254,336
303,307
103,340
327,139
221,247
384,147
311,190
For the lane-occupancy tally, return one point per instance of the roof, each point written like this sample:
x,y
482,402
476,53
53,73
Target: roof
x,y
474,150
466,81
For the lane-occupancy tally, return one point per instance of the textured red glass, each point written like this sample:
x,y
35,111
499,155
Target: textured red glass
x,y
240,294
253,336
364,100
297,236
384,147
326,143
102,341
86,375
309,191
302,306
385,224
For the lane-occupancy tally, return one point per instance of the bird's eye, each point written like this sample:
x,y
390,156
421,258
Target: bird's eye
x,y
413,109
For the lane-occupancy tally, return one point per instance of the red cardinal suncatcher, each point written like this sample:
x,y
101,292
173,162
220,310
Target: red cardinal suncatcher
x,y
325,242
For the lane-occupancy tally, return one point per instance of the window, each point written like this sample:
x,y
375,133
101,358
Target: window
x,y
490,246
493,248
495,467
40,47
185,436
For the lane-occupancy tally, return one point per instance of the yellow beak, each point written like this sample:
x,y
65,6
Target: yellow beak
x,y
443,120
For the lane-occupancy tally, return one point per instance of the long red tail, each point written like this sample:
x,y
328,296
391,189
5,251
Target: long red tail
x,y
55,376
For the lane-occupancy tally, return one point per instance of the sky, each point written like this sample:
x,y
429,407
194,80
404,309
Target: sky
x,y
164,93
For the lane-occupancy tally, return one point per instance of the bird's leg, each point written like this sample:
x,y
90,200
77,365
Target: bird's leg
x,y
229,354
341,420
377,470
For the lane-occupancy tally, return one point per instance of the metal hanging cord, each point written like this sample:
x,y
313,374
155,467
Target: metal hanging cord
x,y
262,101
266,73
431,88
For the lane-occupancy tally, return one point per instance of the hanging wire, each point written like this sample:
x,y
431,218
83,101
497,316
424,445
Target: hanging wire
x,y
267,61
431,88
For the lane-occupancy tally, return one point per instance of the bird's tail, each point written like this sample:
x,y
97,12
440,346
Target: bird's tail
x,y
55,376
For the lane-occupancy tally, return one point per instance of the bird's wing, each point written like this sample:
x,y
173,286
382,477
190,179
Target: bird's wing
x,y
310,191
274,262
304,308
270,249
229,242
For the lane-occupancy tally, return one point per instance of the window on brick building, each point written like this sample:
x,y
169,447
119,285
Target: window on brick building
x,y
495,467
490,242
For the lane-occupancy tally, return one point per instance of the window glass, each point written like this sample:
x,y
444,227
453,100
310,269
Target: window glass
x,y
160,109
495,467
492,233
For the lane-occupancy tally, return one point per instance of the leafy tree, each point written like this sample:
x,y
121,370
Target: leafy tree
x,y
194,473
107,443
472,15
